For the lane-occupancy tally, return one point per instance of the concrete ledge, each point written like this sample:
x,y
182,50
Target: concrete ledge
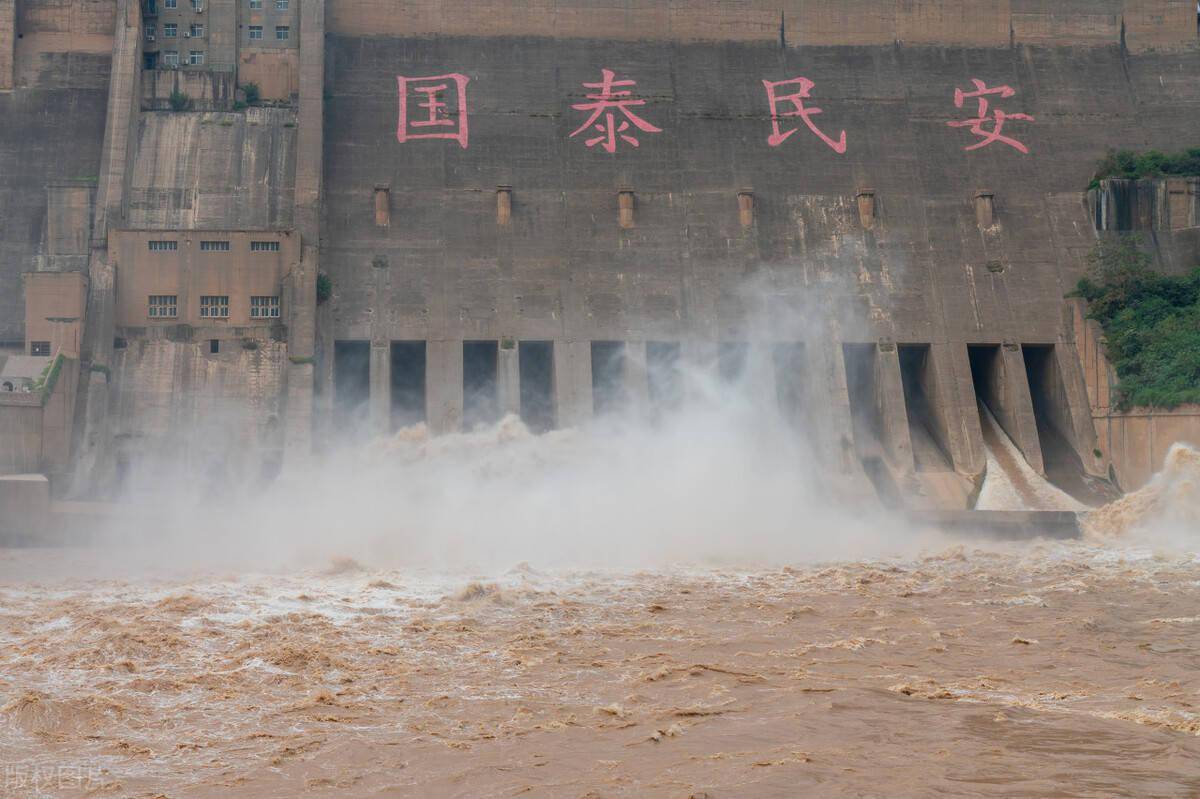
x,y
1004,524
24,507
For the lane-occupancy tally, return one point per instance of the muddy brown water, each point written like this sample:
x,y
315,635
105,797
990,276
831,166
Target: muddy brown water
x,y
1044,670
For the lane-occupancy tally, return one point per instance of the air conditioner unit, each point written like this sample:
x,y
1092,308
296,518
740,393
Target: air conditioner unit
x,y
187,35
149,37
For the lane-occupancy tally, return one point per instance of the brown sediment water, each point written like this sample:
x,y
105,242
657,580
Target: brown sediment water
x,y
1169,502
1042,670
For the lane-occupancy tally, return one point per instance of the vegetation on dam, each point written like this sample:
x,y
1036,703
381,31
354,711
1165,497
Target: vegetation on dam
x,y
1151,324
1151,164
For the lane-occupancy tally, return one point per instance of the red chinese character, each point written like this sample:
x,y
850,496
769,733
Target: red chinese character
x,y
606,102
797,98
997,117
434,119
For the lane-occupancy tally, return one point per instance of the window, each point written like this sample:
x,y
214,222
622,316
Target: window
x,y
196,31
149,33
212,307
197,5
159,246
255,4
214,246
171,58
39,348
264,307
256,31
163,306
169,3
264,246
170,30
214,345
282,32
281,5
196,57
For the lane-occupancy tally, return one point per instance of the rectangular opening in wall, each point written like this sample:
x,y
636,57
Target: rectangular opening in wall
x,y
732,357
983,359
214,346
791,380
351,383
608,376
862,390
930,450
1056,433
664,377
987,377
535,364
481,395
408,383
999,400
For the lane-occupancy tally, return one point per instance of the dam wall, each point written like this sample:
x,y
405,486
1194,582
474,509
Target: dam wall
x,y
546,209
213,170
884,222
55,57
1142,24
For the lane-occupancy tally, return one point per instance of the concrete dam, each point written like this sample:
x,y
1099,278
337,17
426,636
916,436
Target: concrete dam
x,y
253,233
672,399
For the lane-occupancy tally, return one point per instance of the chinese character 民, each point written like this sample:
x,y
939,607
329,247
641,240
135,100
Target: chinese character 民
x,y
433,108
996,116
603,104
796,98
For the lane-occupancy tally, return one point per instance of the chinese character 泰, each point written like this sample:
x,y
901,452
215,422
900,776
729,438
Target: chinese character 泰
x,y
606,102
996,117
433,108
796,98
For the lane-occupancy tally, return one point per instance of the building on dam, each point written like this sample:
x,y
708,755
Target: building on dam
x,y
278,222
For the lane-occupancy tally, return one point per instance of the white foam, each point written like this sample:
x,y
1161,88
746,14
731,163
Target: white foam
x,y
1003,483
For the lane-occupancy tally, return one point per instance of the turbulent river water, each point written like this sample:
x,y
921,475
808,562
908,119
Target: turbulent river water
x,y
969,669
1046,670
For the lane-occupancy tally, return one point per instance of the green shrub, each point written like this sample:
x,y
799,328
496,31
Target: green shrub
x,y
43,384
324,287
179,100
252,93
1151,324
1150,164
